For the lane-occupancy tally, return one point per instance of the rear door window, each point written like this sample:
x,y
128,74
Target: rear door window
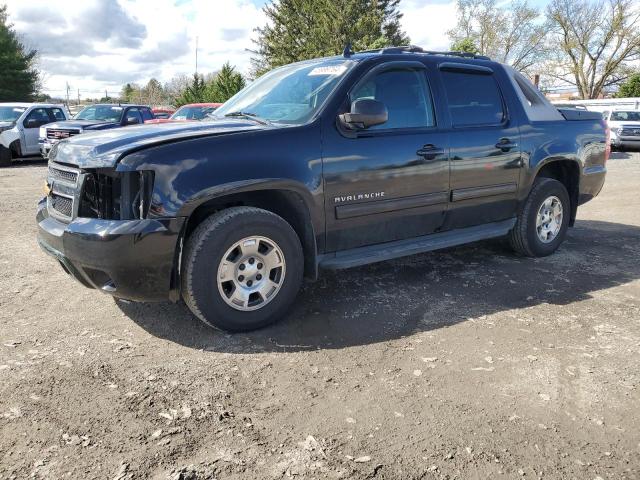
x,y
146,114
58,114
473,99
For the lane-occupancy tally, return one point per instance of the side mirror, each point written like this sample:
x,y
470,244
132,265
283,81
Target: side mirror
x,y
365,113
32,123
132,121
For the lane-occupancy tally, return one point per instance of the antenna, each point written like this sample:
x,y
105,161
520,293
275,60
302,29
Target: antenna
x,y
196,54
347,52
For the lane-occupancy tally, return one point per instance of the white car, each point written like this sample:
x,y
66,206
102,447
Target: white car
x,y
20,128
625,128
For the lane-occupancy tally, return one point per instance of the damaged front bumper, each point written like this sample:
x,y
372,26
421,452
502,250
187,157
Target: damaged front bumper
x,y
130,259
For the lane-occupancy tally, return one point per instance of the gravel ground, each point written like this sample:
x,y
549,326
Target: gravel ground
x,y
468,363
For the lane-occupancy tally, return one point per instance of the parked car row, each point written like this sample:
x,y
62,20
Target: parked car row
x,y
28,129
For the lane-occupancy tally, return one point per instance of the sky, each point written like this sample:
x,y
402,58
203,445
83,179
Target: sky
x,y
99,45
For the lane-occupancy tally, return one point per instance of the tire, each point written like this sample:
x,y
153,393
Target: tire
x,y
524,237
5,157
210,251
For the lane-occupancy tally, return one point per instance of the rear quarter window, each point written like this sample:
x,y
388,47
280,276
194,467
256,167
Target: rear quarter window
x,y
473,99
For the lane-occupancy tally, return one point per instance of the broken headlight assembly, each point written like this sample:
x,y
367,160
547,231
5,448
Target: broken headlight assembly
x,y
113,195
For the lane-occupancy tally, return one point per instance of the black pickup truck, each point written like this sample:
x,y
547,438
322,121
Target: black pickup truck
x,y
324,164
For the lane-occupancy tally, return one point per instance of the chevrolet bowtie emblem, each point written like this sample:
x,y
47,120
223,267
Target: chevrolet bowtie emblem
x,y
47,187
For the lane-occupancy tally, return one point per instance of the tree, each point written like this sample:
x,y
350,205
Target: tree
x,y
513,34
596,40
224,85
18,75
194,92
630,88
465,45
153,93
130,93
302,29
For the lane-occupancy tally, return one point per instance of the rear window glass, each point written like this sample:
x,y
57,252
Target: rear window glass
x,y
473,99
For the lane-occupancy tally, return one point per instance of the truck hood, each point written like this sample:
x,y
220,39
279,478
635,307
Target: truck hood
x,y
103,149
83,125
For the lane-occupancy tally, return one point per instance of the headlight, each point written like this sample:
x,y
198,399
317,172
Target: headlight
x,y
43,132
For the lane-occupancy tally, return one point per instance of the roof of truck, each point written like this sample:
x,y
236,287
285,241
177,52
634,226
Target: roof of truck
x,y
29,104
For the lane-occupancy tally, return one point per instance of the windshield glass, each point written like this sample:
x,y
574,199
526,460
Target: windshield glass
x,y
291,94
10,114
625,116
192,113
101,113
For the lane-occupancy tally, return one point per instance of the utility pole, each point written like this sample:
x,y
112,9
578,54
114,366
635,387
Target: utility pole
x,y
68,88
106,95
78,97
196,55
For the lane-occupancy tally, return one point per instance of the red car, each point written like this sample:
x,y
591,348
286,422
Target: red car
x,y
189,113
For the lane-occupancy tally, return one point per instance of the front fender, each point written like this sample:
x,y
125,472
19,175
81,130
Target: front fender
x,y
8,137
192,171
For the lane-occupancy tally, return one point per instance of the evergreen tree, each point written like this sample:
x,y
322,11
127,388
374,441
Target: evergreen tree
x,y
194,93
224,85
18,76
630,88
128,93
303,29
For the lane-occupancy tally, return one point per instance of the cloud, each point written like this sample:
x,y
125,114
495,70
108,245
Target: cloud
x,y
427,23
108,21
38,16
170,49
230,34
95,45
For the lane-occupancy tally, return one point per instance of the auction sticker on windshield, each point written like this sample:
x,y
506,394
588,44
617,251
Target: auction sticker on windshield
x,y
328,70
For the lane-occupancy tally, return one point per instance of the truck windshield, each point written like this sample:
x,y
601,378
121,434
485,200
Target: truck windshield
x,y
292,94
10,114
101,113
625,116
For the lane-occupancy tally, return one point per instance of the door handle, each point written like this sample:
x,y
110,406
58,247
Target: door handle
x,y
430,151
505,144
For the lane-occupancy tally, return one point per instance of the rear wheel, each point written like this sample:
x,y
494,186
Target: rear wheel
x,y
242,270
542,224
5,157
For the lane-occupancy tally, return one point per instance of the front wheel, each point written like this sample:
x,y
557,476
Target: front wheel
x,y
542,224
243,268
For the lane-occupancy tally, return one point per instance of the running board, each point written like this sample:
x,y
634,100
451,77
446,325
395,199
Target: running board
x,y
402,248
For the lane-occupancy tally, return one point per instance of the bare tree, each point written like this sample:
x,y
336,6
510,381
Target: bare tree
x,y
594,41
514,34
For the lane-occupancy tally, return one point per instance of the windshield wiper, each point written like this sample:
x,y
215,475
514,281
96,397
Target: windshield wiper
x,y
249,115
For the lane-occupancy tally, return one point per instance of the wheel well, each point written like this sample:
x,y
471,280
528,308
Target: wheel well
x,y
15,148
287,204
566,172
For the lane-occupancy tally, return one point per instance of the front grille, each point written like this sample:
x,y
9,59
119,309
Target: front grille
x,y
630,132
61,133
64,175
62,205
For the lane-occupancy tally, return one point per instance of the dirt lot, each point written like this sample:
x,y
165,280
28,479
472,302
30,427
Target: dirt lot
x,y
468,363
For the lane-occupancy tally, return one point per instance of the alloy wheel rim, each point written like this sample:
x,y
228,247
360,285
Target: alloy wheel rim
x,y
549,219
251,273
